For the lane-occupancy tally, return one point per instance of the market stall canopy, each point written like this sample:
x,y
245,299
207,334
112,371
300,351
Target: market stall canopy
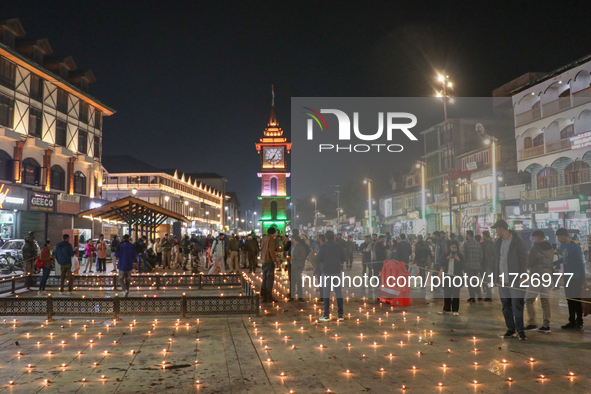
x,y
136,213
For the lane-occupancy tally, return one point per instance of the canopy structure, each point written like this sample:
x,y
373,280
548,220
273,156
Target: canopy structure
x,y
141,216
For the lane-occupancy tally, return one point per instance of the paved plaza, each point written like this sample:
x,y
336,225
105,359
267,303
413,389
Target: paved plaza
x,y
377,348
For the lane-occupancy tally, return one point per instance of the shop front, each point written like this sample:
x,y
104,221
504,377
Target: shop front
x,y
12,200
517,219
477,218
556,214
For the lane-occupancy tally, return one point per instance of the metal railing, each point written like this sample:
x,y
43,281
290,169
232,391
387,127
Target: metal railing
x,y
245,303
531,152
551,192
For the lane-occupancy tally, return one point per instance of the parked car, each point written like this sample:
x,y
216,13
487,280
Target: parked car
x,y
12,246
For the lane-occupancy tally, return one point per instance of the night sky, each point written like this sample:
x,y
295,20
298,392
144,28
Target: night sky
x,y
191,80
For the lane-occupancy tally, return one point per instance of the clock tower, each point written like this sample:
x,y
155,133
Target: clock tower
x,y
273,148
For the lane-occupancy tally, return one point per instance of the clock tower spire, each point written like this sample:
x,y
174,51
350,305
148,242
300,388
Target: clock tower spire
x,y
273,148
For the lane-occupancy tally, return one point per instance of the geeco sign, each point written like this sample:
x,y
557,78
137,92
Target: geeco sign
x,y
44,202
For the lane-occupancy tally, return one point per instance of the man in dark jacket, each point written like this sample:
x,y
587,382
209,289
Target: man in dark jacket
x,y
331,257
422,255
574,276
365,249
30,251
512,262
440,248
381,251
140,249
540,261
488,263
63,254
114,248
403,250
297,263
472,252
349,249
126,256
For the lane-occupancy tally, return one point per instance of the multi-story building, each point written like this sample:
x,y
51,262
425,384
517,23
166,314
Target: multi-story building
x,y
232,210
400,209
553,136
449,147
50,139
200,203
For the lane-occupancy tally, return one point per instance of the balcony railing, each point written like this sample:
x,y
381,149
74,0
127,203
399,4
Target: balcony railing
x,y
551,192
559,145
581,97
528,116
531,152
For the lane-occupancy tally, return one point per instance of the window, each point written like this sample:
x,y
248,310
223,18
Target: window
x,y
98,119
483,191
527,143
35,122
465,192
62,100
567,132
61,133
97,148
445,163
83,111
6,111
273,210
576,172
36,91
538,140
547,177
485,157
6,165
273,186
431,142
7,73
58,178
31,172
79,183
82,141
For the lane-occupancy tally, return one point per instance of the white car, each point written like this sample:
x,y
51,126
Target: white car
x,y
12,246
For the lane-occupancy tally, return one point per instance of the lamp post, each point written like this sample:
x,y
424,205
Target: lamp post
x,y
494,174
446,83
367,181
254,221
421,165
315,212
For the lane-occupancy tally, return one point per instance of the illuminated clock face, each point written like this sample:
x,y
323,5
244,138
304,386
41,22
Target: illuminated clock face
x,y
274,156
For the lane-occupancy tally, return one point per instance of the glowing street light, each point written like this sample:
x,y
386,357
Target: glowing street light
x,y
421,165
367,182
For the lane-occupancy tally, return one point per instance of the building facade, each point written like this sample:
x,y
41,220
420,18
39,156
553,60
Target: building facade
x,y
198,202
553,135
50,139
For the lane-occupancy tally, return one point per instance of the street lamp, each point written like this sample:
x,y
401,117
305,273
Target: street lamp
x,y
134,191
445,84
367,181
254,221
494,174
315,212
421,165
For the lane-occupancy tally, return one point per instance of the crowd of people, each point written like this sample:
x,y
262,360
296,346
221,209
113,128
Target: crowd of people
x,y
330,254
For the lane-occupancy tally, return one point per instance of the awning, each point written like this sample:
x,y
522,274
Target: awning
x,y
136,213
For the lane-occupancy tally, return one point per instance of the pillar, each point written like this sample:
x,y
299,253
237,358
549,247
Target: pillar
x,y
70,175
18,159
47,166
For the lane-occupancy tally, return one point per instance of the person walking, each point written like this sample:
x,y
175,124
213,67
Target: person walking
x,y
269,258
488,263
234,249
101,254
89,256
45,257
440,248
573,263
218,252
331,258
403,250
186,246
472,252
453,265
166,246
140,249
349,250
126,255
114,248
365,248
63,254
540,261
422,256
252,248
158,251
30,252
512,261
297,262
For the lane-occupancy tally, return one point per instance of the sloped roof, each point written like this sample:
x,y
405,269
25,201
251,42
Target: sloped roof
x,y
127,164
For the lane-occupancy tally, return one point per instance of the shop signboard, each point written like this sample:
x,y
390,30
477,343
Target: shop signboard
x,y
41,201
581,140
585,204
534,207
12,197
564,205
64,197
482,210
412,215
352,220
